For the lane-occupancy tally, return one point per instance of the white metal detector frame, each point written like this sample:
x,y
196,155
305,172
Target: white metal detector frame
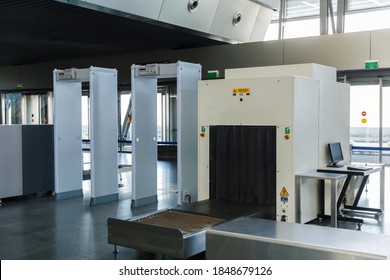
x,y
103,133
144,129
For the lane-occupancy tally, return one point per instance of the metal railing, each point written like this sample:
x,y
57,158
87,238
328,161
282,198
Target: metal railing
x,y
370,154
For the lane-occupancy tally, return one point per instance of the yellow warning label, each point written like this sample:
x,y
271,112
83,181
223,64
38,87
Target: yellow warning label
x,y
284,192
241,90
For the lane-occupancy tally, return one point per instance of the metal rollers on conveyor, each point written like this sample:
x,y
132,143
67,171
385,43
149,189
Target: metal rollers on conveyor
x,y
186,222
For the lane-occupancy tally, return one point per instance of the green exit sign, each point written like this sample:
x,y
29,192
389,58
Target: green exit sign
x,y
371,64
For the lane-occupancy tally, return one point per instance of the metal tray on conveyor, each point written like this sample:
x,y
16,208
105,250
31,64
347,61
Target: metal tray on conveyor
x,y
169,232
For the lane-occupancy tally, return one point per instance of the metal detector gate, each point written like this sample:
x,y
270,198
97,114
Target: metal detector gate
x,y
103,131
144,129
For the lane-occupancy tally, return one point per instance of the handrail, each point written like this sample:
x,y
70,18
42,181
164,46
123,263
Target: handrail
x,y
86,141
370,148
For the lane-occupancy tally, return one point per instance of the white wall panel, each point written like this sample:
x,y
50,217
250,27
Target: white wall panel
x,y
11,161
342,51
345,51
380,42
309,70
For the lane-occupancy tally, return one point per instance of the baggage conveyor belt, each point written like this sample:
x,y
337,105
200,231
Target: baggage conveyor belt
x,y
185,222
179,232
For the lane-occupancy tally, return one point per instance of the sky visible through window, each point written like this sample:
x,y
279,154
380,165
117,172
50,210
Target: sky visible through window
x,y
303,18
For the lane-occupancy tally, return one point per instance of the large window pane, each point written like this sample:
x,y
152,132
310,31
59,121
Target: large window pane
x,y
160,117
11,108
308,8
386,124
44,109
272,32
302,28
125,116
373,20
366,4
364,122
296,8
85,116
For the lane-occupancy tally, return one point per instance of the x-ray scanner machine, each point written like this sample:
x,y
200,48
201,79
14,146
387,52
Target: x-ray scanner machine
x,y
103,133
258,129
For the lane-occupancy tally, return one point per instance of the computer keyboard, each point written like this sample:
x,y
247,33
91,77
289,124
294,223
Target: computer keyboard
x,y
359,168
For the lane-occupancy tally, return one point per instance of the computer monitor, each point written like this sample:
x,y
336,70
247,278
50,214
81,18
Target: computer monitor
x,y
336,154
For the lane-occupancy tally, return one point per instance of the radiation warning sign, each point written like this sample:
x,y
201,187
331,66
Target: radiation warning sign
x,y
241,91
284,192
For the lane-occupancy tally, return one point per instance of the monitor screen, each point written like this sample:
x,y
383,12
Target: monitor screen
x,y
336,154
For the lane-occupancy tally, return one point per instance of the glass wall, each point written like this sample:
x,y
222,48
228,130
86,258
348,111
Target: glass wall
x,y
11,108
370,121
386,123
125,114
37,108
302,28
296,18
85,116
166,113
370,20
364,122
299,9
354,5
26,108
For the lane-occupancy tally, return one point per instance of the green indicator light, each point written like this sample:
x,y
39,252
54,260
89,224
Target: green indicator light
x,y
203,129
287,130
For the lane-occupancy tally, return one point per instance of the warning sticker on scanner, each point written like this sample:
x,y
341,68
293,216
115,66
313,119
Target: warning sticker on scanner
x,y
241,91
284,192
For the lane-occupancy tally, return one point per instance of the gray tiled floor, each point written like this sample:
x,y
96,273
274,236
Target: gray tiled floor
x,y
39,227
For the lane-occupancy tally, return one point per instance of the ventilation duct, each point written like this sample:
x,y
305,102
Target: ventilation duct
x,y
226,20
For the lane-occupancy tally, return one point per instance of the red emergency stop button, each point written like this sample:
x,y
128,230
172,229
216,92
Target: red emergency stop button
x,y
202,134
287,136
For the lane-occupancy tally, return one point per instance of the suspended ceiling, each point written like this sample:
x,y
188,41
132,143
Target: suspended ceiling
x,y
46,30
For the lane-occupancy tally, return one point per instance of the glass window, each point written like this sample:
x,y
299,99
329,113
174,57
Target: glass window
x,y
364,122
44,109
296,8
85,117
302,20
125,114
372,20
386,124
272,32
302,28
366,4
11,108
160,117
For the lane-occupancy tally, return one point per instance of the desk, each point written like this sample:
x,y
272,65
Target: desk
x,y
350,173
334,179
